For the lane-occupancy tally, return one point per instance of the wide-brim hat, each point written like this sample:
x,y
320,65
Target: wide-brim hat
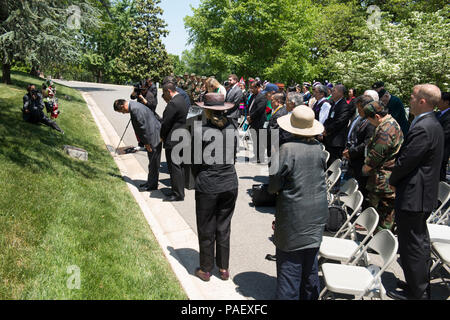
x,y
301,122
215,101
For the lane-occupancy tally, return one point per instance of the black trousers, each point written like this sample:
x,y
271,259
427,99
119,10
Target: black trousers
x,y
214,213
415,250
41,118
154,162
176,172
259,138
335,153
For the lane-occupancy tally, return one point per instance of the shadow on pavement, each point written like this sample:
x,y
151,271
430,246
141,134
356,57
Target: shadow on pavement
x,y
257,179
256,285
91,89
188,258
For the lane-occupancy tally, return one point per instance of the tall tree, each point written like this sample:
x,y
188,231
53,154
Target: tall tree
x,y
40,32
254,37
144,53
401,54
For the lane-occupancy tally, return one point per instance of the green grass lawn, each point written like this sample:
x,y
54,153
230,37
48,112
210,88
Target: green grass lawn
x,y
56,212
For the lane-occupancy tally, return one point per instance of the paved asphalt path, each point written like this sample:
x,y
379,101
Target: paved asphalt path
x,y
254,276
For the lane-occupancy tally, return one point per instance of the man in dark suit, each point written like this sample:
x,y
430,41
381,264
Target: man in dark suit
x,y
174,118
359,135
147,128
257,117
416,179
234,95
340,114
396,109
444,119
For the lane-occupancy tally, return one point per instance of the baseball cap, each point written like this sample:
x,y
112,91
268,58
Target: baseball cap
x,y
270,87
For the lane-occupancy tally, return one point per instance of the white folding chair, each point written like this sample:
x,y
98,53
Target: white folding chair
x,y
339,248
332,179
361,281
441,213
354,202
440,251
439,233
349,188
327,155
334,166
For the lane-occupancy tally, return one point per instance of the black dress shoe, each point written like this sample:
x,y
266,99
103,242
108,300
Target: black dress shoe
x,y
146,188
173,198
404,296
402,285
271,257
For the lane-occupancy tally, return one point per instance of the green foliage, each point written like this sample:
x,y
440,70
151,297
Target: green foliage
x,y
401,54
58,212
37,32
143,51
178,65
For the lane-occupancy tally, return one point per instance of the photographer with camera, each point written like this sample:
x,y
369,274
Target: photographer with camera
x,y
143,94
33,106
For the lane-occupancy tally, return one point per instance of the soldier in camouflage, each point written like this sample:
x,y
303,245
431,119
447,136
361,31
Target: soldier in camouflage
x,y
190,87
380,160
184,82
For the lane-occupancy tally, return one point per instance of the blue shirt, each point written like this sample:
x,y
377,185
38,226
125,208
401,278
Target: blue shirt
x,y
419,117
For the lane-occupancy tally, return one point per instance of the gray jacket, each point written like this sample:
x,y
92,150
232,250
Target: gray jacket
x,y
235,96
302,207
145,124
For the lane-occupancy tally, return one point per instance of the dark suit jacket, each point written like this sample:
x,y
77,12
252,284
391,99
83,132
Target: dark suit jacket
x,y
445,123
258,111
337,123
417,169
145,124
174,117
186,97
273,125
397,110
234,96
363,133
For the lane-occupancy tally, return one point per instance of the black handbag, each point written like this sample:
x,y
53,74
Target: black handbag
x,y
336,218
261,197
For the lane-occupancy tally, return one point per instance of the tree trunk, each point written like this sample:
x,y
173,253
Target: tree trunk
x,y
6,73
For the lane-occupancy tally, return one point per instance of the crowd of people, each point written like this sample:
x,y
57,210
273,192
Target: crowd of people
x,y
398,163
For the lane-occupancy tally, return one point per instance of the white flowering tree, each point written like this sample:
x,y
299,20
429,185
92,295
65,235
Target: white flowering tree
x,y
400,54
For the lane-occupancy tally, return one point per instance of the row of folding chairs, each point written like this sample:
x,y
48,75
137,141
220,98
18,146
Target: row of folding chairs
x,y
439,230
354,275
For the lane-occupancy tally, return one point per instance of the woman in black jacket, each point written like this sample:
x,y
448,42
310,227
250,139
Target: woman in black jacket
x,y
216,187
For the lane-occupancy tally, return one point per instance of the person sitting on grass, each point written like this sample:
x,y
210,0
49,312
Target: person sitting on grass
x,y
33,106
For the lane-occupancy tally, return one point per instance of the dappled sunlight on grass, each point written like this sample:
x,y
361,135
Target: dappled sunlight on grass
x,y
58,212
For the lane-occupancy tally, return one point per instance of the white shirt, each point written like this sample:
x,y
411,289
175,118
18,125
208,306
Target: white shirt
x,y
324,111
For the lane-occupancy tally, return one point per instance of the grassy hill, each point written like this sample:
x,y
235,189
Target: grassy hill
x,y
60,218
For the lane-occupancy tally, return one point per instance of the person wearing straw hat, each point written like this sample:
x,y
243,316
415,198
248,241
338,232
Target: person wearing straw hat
x,y
216,186
298,179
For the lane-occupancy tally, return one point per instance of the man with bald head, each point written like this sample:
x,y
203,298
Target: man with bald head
x,y
416,179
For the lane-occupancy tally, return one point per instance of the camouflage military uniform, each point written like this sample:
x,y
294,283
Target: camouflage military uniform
x,y
380,156
197,91
190,89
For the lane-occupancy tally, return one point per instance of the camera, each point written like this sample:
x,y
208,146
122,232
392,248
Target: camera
x,y
138,89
